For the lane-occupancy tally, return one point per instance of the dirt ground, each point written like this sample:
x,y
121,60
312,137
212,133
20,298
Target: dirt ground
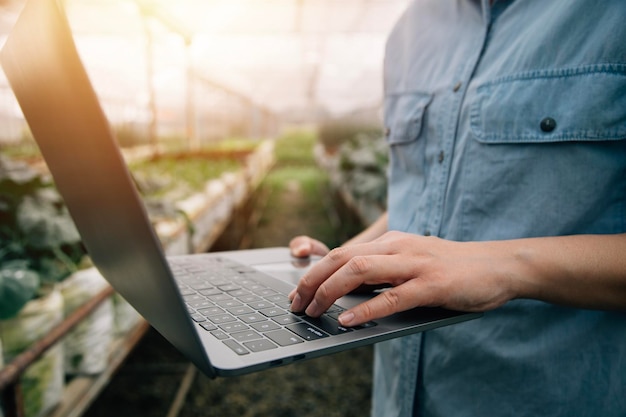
x,y
291,200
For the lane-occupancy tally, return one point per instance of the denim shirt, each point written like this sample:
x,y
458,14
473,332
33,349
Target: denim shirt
x,y
503,122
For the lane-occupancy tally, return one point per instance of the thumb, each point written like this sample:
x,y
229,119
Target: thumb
x,y
303,246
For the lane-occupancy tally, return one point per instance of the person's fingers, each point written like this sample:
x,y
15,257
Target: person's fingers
x,y
309,283
341,271
396,299
304,246
359,270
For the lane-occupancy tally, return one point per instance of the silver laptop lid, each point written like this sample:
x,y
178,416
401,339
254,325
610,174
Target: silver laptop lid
x,y
51,85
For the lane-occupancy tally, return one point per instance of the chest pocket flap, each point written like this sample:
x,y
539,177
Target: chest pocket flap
x,y
404,114
581,104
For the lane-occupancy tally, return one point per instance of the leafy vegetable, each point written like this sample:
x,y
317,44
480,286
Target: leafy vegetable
x,y
37,236
18,285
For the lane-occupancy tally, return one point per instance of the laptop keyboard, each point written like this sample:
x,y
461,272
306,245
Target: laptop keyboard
x,y
228,301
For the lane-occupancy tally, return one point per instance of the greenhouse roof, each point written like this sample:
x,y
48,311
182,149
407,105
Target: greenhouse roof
x,y
287,55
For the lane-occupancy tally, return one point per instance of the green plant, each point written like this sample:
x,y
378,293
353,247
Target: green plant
x,y
363,166
25,148
296,148
333,133
39,243
174,178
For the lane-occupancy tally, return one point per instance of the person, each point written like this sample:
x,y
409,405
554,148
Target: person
x,y
506,125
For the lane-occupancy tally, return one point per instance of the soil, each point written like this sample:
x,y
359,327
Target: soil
x,y
339,385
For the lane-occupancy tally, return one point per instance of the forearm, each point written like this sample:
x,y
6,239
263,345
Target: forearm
x,y
586,271
375,230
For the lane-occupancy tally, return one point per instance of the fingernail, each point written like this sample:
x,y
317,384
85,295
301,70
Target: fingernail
x,y
296,303
312,309
346,318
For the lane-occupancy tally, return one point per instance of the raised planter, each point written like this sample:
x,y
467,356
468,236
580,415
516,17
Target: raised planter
x,y
43,382
1,366
125,317
87,344
209,210
90,359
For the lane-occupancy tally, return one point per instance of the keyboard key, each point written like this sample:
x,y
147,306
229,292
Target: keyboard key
x,y
210,291
327,324
211,311
229,303
264,292
286,319
201,286
246,336
208,326
238,311
218,334
200,304
284,337
219,282
233,327
306,331
272,312
198,317
229,287
222,318
193,297
252,318
238,293
255,287
259,305
236,347
284,305
249,298
277,298
220,297
260,345
265,326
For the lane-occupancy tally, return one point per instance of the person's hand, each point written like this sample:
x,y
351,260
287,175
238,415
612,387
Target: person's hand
x,y
423,271
304,246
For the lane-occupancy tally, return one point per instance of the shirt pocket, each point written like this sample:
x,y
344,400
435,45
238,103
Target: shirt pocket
x,y
577,104
405,122
547,154
404,116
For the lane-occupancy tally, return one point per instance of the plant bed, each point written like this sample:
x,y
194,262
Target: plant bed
x,y
43,382
87,345
195,206
29,203
39,244
357,170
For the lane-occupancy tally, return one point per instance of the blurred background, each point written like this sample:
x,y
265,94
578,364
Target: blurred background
x,y
244,123
202,69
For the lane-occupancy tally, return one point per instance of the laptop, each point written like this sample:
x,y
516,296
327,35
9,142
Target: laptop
x,y
227,312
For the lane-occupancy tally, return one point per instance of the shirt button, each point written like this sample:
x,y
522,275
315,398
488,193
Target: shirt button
x,y
427,233
441,157
457,86
548,124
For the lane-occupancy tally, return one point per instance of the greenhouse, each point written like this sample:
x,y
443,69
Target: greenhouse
x,y
243,123
312,208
